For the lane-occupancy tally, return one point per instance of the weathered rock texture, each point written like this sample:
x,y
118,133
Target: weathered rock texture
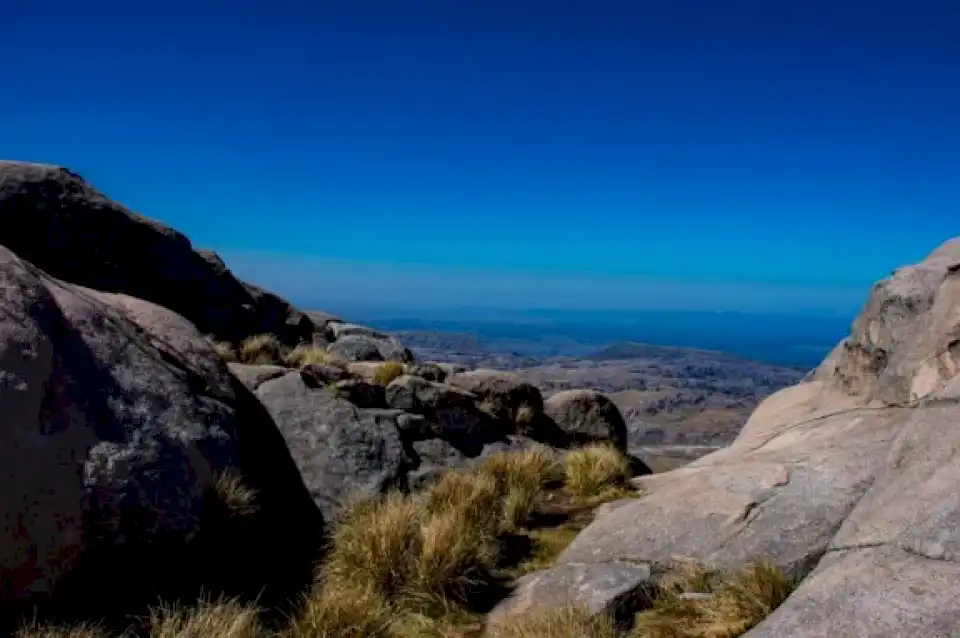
x,y
852,474
117,418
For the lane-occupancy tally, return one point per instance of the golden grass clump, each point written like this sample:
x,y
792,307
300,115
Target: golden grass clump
x,y
376,545
343,611
236,497
304,355
388,371
223,619
567,621
521,478
596,472
262,349
737,602
80,631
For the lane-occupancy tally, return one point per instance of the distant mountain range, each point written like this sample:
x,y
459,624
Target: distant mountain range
x,y
792,340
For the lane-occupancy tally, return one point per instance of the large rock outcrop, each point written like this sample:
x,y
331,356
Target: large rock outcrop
x,y
850,478
52,218
119,422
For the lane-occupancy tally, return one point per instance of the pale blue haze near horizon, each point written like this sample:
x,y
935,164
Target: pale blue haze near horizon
x,y
682,155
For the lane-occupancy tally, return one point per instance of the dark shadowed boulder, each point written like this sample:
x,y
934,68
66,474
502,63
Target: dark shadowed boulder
x,y
321,374
452,411
361,393
428,371
343,453
118,418
52,218
587,416
504,395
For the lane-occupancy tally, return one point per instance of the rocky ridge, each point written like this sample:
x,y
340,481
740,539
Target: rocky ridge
x,y
131,444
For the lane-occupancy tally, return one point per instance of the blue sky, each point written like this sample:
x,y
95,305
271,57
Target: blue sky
x,y
700,154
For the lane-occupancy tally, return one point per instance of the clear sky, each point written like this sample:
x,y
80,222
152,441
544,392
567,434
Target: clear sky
x,y
764,154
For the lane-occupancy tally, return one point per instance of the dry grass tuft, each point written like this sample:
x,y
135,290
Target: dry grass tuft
x,y
736,603
596,472
223,619
80,631
418,565
343,611
304,355
238,498
388,371
225,350
521,478
262,349
546,545
375,547
568,621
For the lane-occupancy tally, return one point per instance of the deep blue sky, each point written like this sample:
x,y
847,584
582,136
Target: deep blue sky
x,y
641,153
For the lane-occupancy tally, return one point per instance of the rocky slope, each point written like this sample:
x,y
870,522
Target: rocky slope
x,y
678,403
140,464
849,479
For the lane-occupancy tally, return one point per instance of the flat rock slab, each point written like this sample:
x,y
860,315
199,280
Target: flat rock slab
x,y
782,502
878,592
610,587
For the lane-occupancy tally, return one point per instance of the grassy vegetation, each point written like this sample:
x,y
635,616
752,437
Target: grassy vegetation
x,y
304,355
568,621
262,349
596,473
235,496
388,371
736,602
223,619
430,564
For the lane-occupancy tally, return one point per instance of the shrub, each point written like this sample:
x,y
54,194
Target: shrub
x,y
568,621
262,349
388,371
223,619
596,472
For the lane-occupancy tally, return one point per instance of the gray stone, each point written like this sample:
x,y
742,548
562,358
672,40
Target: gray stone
x,y
55,220
253,375
343,453
614,588
428,371
587,416
451,410
117,419
503,394
361,393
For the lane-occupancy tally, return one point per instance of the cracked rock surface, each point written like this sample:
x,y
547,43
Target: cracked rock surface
x,y
849,478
